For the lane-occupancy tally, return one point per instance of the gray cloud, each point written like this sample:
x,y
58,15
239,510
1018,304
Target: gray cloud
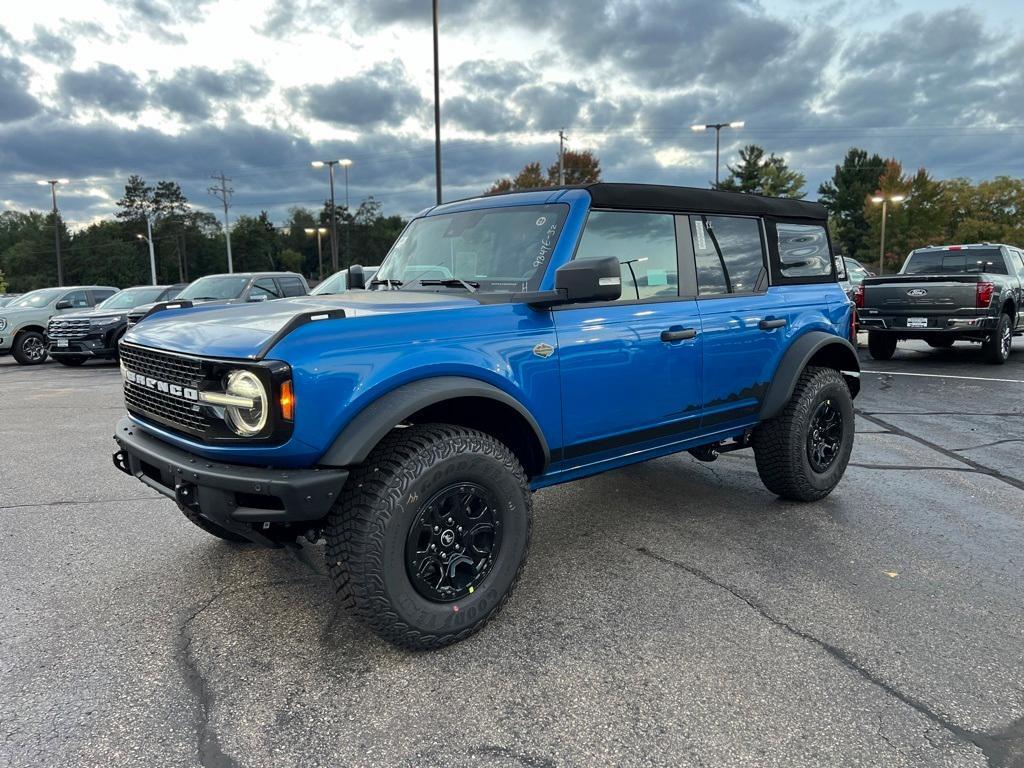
x,y
15,101
47,45
106,86
381,96
495,77
194,92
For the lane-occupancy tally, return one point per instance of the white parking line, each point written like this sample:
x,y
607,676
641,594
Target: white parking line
x,y
944,376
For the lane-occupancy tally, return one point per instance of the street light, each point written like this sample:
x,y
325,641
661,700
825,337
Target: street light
x,y
56,224
437,110
318,231
718,136
346,164
885,209
152,255
334,224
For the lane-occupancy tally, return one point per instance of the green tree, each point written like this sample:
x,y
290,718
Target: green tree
x,y
580,168
137,202
3,282
757,174
844,196
254,243
290,260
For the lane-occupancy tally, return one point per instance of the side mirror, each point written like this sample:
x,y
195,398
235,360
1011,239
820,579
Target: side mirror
x,y
590,280
356,277
63,304
258,297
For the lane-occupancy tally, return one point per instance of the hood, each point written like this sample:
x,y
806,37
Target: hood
x,y
242,330
91,313
141,309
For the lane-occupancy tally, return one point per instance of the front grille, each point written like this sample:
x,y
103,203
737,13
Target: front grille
x,y
169,409
67,329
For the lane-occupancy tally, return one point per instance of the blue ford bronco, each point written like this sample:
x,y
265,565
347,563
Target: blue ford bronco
x,y
507,343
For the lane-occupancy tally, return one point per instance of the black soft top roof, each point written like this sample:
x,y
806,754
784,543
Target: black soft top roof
x,y
656,197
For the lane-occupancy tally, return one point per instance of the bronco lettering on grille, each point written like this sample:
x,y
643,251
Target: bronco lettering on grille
x,y
186,393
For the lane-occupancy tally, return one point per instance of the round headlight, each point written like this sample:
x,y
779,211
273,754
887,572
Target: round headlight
x,y
246,422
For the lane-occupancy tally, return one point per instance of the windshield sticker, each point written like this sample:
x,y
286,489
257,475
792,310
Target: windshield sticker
x,y
702,243
547,242
542,221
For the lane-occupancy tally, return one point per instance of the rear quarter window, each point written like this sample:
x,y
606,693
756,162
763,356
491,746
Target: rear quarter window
x,y
803,250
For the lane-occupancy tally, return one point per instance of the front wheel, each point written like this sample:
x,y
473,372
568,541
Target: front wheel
x,y
430,534
29,348
997,345
802,453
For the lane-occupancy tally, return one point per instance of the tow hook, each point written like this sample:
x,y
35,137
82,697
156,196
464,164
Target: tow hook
x,y
121,462
185,495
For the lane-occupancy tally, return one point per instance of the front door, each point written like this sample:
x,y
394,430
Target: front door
x,y
630,369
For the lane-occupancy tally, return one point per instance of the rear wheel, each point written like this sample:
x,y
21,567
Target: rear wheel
x,y
29,348
430,534
802,453
71,361
881,345
940,342
997,345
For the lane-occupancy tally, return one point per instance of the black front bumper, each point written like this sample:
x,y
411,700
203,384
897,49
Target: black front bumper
x,y
240,498
82,348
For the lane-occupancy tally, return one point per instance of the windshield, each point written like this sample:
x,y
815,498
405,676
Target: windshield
x,y
215,287
38,298
855,272
338,282
499,249
131,298
973,260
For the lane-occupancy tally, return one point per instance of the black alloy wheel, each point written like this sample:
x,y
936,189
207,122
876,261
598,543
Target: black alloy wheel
x,y
824,436
453,542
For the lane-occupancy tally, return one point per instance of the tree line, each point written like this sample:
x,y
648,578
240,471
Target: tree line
x,y
188,243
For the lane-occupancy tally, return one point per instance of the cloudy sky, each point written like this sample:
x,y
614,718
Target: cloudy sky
x,y
95,90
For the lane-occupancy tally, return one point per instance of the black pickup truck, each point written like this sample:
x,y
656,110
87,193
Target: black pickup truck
x,y
945,294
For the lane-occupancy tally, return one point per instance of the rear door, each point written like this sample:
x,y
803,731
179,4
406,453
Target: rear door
x,y
630,369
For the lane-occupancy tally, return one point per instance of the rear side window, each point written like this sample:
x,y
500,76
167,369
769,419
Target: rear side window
x,y
803,250
975,260
728,253
265,286
292,286
644,244
78,299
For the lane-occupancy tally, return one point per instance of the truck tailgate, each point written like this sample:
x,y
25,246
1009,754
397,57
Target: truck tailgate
x,y
920,293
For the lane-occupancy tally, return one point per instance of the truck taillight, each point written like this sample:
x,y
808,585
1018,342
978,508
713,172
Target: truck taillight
x,y
853,326
985,291
858,296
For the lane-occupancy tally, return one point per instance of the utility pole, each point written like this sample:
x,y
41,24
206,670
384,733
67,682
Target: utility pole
x,y
148,237
885,200
223,193
56,225
437,111
561,157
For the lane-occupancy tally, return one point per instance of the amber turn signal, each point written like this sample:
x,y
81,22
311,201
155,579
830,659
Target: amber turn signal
x,y
287,401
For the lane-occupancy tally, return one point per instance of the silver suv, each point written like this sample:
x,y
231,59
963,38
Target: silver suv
x,y
23,321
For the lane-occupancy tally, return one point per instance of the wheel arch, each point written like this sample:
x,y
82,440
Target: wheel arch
x,y
457,400
28,328
816,348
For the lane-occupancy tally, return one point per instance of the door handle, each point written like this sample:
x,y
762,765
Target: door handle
x,y
771,325
679,334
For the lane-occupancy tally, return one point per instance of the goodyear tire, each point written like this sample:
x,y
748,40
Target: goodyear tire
x,y
802,453
430,534
997,346
882,346
29,348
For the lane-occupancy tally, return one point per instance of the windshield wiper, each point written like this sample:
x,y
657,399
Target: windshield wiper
x,y
202,298
452,283
388,282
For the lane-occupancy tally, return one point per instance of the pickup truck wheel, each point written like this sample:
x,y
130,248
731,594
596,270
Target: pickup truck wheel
x,y
71,361
429,536
802,453
940,342
29,348
882,346
997,345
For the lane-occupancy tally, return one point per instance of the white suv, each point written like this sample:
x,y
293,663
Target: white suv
x,y
23,321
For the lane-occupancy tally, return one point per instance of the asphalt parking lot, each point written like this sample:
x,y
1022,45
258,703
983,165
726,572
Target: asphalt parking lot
x,y
672,613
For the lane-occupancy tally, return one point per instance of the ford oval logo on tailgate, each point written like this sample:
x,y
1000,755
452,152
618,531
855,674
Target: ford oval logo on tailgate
x,y
917,292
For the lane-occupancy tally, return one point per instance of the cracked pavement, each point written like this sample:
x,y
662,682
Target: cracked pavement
x,y
672,613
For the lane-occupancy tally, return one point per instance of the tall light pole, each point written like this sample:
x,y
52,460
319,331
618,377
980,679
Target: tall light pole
x,y
346,164
318,231
437,111
885,210
334,217
56,224
148,237
223,193
718,138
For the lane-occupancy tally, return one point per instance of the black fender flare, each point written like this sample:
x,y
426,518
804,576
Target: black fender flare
x,y
362,434
843,356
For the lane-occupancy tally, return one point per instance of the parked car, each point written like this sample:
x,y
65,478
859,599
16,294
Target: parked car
x,y
75,337
946,294
233,288
7,298
23,322
339,283
508,343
